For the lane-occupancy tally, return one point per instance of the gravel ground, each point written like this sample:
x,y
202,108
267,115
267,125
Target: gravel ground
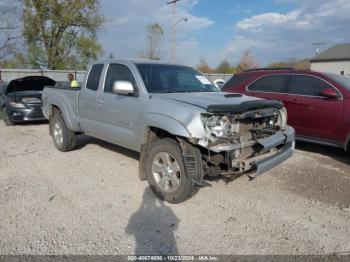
x,y
90,201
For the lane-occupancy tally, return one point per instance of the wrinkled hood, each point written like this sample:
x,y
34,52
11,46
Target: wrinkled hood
x,y
221,102
204,100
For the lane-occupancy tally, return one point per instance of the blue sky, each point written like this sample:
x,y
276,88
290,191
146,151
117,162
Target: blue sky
x,y
273,30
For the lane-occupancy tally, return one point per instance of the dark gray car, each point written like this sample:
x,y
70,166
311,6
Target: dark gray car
x,y
20,99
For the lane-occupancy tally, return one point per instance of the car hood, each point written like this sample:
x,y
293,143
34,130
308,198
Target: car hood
x,y
216,102
29,83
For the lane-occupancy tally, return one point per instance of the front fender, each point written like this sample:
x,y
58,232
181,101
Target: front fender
x,y
166,123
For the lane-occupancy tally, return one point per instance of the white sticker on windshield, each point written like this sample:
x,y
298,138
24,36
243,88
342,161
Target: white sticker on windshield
x,y
203,80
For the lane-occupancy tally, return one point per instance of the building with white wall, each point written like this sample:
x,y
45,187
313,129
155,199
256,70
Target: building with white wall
x,y
334,60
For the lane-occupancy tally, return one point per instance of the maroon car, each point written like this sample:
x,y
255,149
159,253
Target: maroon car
x,y
318,104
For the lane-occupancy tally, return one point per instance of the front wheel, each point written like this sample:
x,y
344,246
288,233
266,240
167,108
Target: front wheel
x,y
63,138
165,172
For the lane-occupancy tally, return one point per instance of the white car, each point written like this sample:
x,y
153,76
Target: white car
x,y
219,83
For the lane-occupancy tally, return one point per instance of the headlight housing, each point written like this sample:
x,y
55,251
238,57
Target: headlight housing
x,y
219,126
282,118
17,104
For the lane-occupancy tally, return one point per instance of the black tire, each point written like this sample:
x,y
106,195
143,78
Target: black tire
x,y
6,117
69,139
186,188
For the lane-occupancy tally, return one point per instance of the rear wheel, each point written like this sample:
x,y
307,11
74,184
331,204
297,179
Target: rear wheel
x,y
6,117
166,172
63,138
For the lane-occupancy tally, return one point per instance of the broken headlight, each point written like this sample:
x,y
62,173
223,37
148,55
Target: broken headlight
x,y
218,126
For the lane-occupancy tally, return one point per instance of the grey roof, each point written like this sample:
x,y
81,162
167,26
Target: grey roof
x,y
335,53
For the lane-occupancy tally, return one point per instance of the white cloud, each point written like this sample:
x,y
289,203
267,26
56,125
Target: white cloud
x,y
275,36
257,22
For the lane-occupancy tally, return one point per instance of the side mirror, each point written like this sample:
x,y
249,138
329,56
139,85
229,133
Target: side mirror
x,y
123,88
329,93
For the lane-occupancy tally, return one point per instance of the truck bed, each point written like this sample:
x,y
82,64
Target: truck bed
x,y
65,98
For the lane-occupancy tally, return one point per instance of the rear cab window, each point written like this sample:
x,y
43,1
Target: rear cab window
x,y
271,84
94,77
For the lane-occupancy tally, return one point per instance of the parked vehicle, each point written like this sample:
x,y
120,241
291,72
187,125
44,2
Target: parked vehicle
x,y
20,100
219,83
318,104
2,87
181,124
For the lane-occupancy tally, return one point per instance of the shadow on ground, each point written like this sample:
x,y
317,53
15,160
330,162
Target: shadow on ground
x,y
337,154
153,227
84,140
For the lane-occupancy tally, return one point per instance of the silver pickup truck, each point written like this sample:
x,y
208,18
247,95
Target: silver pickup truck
x,y
184,128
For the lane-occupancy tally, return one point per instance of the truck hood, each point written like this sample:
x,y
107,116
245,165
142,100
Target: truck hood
x,y
220,102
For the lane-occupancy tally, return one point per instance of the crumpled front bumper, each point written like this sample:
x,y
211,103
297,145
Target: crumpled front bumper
x,y
284,141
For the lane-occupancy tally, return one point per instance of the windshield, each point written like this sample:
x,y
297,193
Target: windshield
x,y
174,79
341,80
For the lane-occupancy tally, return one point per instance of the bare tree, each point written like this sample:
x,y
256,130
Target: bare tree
x,y
9,27
247,62
204,67
303,64
154,35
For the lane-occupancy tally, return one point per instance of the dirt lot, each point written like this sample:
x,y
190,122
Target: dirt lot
x,y
90,201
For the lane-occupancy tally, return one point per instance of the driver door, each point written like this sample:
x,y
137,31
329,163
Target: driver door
x,y
118,113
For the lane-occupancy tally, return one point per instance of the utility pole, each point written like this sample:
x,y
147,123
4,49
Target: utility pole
x,y
173,2
318,46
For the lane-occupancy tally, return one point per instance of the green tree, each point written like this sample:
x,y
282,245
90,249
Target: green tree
x,y
14,61
224,68
61,34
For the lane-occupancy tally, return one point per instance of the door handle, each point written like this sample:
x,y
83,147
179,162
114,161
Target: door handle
x,y
102,102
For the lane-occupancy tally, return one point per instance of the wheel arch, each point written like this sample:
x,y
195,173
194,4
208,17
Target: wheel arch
x,y
71,123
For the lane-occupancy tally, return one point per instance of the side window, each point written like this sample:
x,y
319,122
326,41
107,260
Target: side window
x,y
236,80
308,85
271,84
117,72
94,77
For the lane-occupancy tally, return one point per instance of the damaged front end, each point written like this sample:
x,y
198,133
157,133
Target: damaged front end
x,y
252,137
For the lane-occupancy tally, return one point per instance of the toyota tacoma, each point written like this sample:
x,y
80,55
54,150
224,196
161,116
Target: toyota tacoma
x,y
183,126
